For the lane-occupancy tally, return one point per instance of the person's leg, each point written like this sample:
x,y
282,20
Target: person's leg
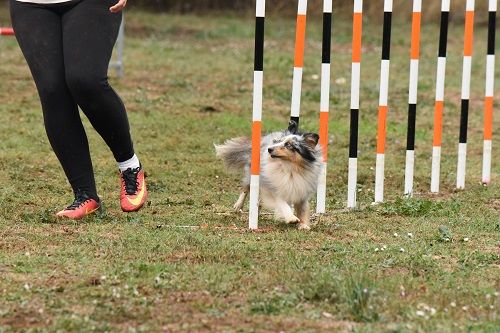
x,y
39,33
89,34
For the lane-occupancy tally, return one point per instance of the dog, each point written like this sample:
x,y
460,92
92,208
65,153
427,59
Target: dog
x,y
290,167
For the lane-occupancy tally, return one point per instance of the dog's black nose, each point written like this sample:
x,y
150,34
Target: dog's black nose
x,y
270,150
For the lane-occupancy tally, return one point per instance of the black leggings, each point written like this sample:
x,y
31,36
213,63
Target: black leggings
x,y
68,47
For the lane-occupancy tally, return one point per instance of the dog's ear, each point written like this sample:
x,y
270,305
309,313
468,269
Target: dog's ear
x,y
311,139
293,127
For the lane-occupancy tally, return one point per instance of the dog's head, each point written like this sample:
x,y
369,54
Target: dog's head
x,y
296,148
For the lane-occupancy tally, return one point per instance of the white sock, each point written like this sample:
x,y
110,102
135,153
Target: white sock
x,y
132,163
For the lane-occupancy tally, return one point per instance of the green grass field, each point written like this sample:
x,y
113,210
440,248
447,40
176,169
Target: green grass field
x,y
187,263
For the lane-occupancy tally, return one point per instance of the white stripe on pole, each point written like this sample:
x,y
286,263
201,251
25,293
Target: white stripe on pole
x,y
296,91
466,73
412,97
487,147
462,154
327,6
490,74
355,78
384,82
302,8
260,8
417,6
470,5
440,81
351,182
321,194
379,178
445,5
358,6
492,5
325,87
258,80
410,161
388,6
436,158
254,201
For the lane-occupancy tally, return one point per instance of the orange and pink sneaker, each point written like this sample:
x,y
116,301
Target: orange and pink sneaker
x,y
82,206
133,193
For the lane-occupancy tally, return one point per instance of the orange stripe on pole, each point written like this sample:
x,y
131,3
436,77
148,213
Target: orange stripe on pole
x,y
415,35
323,133
438,123
382,116
356,37
255,162
469,30
488,118
300,37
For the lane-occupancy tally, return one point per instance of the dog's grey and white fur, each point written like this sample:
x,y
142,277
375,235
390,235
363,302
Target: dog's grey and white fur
x,y
290,166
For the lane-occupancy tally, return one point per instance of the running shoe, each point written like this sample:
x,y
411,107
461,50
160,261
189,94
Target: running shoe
x,y
133,193
82,206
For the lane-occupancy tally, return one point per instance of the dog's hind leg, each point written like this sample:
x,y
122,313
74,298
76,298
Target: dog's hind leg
x,y
303,212
238,206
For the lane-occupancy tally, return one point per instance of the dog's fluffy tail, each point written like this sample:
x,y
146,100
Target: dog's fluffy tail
x,y
235,153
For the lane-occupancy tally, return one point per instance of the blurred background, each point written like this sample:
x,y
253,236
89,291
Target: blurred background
x,y
343,8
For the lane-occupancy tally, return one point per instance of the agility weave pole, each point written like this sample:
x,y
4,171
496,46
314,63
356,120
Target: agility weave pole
x,y
357,27
464,110
300,38
439,102
258,81
324,103
489,91
383,101
412,96
383,96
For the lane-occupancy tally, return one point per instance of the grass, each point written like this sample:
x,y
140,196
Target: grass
x,y
186,262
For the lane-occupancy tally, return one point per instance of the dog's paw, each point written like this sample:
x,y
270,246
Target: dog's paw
x,y
292,219
304,226
238,208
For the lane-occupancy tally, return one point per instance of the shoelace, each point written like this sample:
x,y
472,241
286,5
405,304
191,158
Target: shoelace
x,y
130,179
80,199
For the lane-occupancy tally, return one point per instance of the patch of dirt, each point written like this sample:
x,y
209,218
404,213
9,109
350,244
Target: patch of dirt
x,y
494,204
188,319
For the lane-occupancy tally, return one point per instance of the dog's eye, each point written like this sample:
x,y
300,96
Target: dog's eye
x,y
288,145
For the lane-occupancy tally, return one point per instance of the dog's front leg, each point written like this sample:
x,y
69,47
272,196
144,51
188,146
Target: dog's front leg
x,y
303,212
283,210
241,200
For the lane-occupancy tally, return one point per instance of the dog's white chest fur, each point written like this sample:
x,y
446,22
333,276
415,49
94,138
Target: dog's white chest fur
x,y
289,182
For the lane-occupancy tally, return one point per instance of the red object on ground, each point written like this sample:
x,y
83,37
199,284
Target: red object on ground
x,y
4,31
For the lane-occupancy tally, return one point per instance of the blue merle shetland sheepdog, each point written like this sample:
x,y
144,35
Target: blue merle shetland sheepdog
x,y
290,167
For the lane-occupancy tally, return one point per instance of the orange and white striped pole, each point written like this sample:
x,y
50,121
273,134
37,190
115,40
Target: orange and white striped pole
x,y
383,101
412,96
466,74
488,99
439,103
300,37
258,78
324,103
352,177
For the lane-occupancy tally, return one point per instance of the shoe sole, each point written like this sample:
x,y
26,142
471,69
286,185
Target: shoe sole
x,y
133,210
81,217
